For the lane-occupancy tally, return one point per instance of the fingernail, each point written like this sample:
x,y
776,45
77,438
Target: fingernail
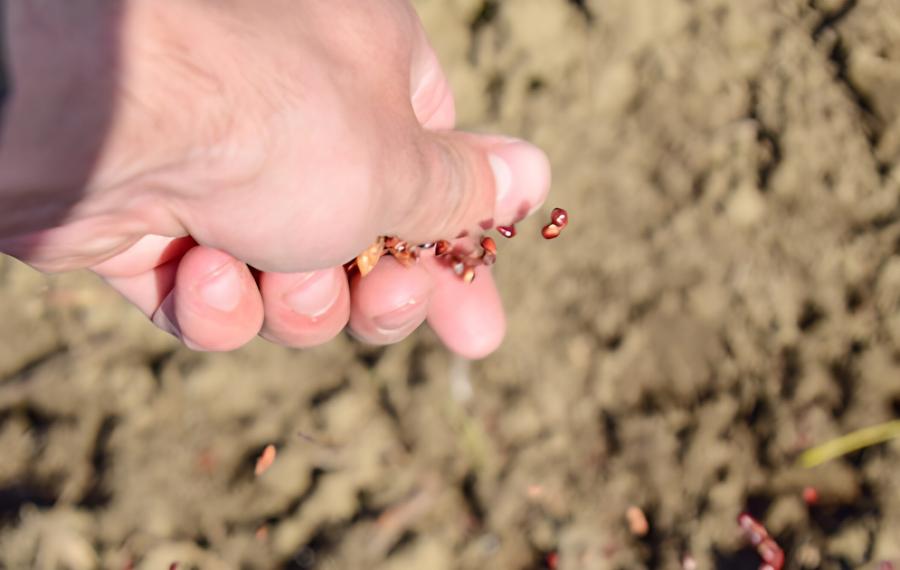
x,y
400,318
314,295
222,288
522,178
502,177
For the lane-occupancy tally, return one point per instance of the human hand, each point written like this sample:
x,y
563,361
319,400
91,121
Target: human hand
x,y
277,135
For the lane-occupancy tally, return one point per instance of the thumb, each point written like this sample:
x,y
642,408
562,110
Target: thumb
x,y
471,183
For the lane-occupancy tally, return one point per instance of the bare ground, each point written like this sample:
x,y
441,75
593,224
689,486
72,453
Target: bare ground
x,y
726,296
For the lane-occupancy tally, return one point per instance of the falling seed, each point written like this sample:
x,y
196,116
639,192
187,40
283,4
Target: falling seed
x,y
637,521
173,566
551,231
507,231
442,248
560,218
552,560
266,459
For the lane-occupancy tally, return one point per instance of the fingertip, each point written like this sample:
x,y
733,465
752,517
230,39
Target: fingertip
x,y
215,305
522,176
304,309
479,345
390,302
468,317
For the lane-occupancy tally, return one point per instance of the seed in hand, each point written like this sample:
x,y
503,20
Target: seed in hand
x,y
462,263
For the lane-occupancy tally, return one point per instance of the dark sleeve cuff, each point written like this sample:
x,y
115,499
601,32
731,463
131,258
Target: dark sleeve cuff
x,y
4,77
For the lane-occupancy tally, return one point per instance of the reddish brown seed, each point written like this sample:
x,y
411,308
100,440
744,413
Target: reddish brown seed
x,y
442,247
551,231
553,560
489,245
396,245
507,231
401,251
560,217
173,566
810,496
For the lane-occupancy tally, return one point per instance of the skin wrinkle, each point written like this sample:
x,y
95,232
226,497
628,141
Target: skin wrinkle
x,y
443,176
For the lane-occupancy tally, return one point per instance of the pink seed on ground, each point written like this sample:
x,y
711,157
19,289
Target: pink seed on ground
x,y
810,496
766,547
265,460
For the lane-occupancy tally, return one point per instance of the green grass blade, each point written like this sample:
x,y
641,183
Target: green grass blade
x,y
849,443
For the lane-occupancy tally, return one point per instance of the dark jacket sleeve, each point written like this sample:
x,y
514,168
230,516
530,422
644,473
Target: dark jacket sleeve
x,y
4,84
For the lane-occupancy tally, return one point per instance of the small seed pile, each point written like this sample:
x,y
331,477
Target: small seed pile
x,y
458,259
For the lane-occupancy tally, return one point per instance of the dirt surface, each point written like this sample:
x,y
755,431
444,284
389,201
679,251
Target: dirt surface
x,y
726,296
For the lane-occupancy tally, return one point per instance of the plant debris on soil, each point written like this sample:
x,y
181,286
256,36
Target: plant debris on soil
x,y
727,300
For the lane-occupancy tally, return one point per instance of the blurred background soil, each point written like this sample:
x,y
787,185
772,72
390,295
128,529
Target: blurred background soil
x,y
726,296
